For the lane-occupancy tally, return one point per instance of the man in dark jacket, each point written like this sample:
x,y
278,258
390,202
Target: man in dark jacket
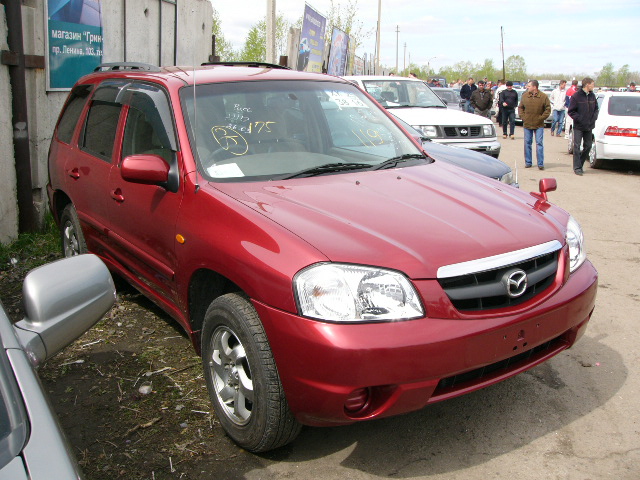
x,y
508,102
465,93
583,109
481,101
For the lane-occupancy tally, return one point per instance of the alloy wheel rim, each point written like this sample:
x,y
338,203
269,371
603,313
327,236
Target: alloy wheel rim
x,y
70,240
231,376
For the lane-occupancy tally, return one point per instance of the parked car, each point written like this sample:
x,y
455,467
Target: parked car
x,y
328,271
415,102
450,97
62,300
464,158
547,122
617,131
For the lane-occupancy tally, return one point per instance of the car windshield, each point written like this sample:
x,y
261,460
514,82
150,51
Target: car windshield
x,y
277,129
402,93
625,106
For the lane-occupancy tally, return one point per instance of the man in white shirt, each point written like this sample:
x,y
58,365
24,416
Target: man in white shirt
x,y
557,99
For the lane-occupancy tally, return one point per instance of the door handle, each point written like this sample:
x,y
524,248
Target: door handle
x,y
117,195
74,173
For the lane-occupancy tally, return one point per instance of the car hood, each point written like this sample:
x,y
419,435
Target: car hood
x,y
465,158
413,219
437,116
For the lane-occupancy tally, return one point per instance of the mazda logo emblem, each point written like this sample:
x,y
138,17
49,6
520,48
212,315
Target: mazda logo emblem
x,y
464,131
515,282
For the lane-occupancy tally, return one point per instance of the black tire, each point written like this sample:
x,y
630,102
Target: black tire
x,y
71,235
238,364
594,161
570,144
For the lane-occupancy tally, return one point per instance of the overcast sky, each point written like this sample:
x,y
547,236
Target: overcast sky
x,y
567,36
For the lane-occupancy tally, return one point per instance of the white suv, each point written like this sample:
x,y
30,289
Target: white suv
x,y
414,102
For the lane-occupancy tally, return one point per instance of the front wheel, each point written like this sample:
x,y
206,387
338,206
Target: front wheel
x,y
73,242
242,377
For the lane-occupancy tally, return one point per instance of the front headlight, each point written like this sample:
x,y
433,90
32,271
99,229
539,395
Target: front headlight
x,y
430,131
353,293
508,178
575,240
488,131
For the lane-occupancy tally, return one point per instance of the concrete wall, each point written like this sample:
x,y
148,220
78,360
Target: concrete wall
x,y
134,31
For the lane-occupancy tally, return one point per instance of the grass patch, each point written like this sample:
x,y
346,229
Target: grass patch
x,y
33,249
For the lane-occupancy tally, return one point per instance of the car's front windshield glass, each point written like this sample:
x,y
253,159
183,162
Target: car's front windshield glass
x,y
402,93
266,130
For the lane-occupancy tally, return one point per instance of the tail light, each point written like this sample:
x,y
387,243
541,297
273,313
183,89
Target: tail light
x,y
621,132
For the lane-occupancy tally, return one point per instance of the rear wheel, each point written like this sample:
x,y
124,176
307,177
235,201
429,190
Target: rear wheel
x,y
242,377
570,144
594,161
73,242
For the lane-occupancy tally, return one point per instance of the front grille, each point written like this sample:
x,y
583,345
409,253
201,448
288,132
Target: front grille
x,y
462,132
502,369
486,290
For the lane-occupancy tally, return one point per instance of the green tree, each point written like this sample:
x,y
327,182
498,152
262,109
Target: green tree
x,y
346,19
255,49
623,76
606,77
487,69
516,68
224,49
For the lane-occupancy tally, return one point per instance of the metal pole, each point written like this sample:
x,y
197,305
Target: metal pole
x,y
27,221
271,31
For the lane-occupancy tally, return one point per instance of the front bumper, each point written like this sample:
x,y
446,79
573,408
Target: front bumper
x,y
489,147
403,366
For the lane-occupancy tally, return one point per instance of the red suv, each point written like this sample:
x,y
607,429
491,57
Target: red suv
x,y
326,268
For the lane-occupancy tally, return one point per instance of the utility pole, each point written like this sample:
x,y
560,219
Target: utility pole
x,y
397,33
271,31
405,58
376,67
504,72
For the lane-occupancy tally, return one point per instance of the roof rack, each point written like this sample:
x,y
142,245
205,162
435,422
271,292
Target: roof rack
x,y
104,67
247,64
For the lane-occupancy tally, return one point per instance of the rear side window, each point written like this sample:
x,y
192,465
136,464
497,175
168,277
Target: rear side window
x,y
71,113
99,131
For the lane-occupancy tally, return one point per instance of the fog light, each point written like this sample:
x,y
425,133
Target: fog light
x,y
357,400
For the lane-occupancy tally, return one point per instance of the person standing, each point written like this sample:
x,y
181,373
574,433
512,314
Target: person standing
x,y
534,109
583,109
557,99
481,100
497,106
465,93
508,101
632,87
568,121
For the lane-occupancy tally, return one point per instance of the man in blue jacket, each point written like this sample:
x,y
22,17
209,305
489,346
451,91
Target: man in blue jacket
x,y
583,109
465,93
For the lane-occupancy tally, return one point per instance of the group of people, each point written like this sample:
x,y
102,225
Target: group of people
x,y
535,106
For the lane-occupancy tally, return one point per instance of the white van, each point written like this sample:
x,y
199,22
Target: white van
x,y
414,102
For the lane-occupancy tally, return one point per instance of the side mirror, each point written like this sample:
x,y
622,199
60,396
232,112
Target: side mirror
x,y
147,169
62,300
547,185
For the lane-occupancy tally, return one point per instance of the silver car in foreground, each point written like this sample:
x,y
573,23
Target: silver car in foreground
x,y
62,300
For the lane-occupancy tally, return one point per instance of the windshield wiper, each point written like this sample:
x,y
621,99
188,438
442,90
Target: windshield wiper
x,y
392,162
321,169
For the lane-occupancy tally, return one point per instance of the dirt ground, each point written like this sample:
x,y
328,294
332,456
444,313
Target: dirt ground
x,y
132,399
